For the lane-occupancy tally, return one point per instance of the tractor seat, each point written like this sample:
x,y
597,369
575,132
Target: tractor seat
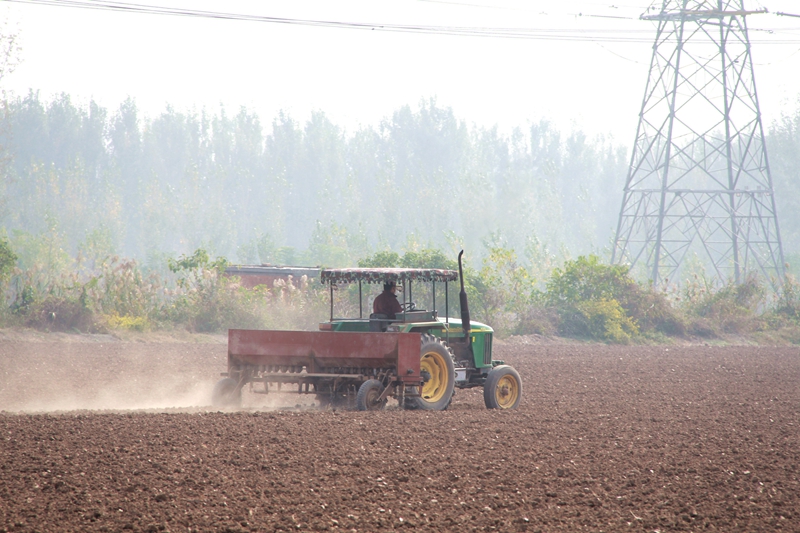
x,y
378,322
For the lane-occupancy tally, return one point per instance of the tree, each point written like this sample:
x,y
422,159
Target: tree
x,y
783,143
9,59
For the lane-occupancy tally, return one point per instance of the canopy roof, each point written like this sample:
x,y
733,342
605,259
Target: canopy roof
x,y
383,275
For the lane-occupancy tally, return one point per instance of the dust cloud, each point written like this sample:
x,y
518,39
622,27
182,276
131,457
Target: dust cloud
x,y
102,373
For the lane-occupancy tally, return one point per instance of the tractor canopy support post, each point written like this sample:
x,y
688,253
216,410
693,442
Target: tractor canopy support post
x,y
446,312
433,290
446,305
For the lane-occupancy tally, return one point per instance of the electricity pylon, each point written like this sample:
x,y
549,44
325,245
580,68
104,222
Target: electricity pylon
x,y
699,178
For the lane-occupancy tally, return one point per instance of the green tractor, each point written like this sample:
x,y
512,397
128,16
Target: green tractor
x,y
454,352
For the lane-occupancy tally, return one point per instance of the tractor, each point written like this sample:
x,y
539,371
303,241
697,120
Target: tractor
x,y
417,357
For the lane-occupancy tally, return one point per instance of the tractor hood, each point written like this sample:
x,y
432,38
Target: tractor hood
x,y
475,327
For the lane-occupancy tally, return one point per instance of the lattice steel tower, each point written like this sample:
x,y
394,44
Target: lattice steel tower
x,y
699,178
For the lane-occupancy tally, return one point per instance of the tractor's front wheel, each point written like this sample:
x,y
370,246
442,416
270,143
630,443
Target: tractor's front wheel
x,y
368,394
226,394
503,388
437,366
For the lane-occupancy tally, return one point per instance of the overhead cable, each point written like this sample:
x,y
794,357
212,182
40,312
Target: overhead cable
x,y
549,34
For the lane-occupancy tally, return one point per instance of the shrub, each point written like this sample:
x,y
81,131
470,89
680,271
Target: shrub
x,y
652,311
607,320
8,261
603,302
787,303
121,289
731,309
587,279
505,295
205,300
60,313
60,304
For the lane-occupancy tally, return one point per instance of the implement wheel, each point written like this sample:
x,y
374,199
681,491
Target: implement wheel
x,y
226,394
368,394
436,363
503,388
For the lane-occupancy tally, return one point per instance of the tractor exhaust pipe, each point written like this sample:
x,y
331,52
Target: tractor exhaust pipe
x,y
462,297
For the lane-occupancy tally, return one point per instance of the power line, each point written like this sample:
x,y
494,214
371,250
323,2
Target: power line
x,y
549,34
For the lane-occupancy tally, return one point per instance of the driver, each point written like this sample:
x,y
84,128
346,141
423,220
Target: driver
x,y
386,302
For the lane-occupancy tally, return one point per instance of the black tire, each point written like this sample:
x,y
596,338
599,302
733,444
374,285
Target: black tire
x,y
226,394
503,388
437,392
368,394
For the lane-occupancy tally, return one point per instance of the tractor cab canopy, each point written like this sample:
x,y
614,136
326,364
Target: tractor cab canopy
x,y
404,277
385,275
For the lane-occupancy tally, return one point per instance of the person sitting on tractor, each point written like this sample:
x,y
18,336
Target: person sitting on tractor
x,y
386,303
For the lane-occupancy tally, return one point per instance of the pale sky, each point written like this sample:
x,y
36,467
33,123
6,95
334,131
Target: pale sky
x,y
359,77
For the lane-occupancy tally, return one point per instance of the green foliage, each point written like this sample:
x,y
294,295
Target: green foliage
x,y
788,302
730,309
428,258
208,301
50,302
119,295
197,262
605,320
382,259
621,309
45,251
423,258
122,289
585,293
131,323
214,304
652,311
584,298
8,261
503,292
585,279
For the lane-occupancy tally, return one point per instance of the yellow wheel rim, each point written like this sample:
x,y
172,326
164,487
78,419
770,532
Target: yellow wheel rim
x,y
433,389
506,392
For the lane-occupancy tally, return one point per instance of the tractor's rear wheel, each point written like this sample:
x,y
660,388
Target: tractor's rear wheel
x,y
503,388
368,394
226,394
436,362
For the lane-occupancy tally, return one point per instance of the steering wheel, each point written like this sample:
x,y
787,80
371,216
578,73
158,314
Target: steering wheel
x,y
408,306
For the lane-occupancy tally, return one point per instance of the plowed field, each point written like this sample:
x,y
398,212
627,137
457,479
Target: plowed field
x,y
102,435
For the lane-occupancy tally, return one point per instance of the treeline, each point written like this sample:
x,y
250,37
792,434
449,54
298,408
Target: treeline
x,y
83,180
80,180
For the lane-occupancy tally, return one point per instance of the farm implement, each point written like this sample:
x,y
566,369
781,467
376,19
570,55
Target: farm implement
x,y
415,357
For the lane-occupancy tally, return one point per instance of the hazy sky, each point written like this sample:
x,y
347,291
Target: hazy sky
x,y
594,81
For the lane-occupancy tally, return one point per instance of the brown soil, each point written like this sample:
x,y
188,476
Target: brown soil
x,y
606,439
